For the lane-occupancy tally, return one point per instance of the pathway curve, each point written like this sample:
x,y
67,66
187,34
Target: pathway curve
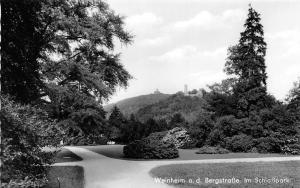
x,y
104,172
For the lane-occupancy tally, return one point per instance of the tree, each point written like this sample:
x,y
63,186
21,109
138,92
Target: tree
x,y
65,42
177,120
221,98
294,98
117,124
21,46
82,37
58,51
246,61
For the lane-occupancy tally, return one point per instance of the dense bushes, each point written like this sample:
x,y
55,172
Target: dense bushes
x,y
178,136
24,131
200,129
148,148
265,131
212,150
239,143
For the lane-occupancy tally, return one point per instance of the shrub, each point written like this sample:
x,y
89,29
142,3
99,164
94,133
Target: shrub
x,y
90,139
292,145
178,136
215,138
212,150
25,130
200,129
293,149
148,148
239,143
269,144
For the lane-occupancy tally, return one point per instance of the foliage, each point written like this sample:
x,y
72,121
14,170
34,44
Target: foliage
x,y
269,144
246,61
24,131
222,104
212,150
189,107
60,51
150,149
123,130
117,123
177,120
22,42
294,100
83,35
239,143
177,136
58,54
80,115
132,105
200,129
292,146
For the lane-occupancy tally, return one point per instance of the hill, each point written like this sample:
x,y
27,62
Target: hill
x,y
188,106
132,105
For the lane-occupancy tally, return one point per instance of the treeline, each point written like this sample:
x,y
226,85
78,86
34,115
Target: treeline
x,y
125,130
188,107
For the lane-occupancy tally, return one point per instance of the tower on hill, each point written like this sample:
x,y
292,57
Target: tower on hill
x,y
185,89
157,91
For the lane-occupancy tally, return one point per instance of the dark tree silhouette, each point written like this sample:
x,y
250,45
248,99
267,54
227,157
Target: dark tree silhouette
x,y
246,60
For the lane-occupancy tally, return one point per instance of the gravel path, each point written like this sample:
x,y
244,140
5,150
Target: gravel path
x,y
104,172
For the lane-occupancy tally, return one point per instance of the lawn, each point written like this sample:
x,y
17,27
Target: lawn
x,y
259,174
116,151
65,155
66,176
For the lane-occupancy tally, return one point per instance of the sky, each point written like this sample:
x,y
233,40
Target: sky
x,y
179,42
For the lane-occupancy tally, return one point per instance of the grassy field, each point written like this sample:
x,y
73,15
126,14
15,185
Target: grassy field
x,y
66,155
66,176
258,175
116,151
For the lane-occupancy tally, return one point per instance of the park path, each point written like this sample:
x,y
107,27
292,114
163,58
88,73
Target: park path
x,y
104,172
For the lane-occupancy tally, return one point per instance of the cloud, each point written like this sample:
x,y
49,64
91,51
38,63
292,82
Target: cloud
x,y
209,20
190,54
147,19
155,41
287,41
207,77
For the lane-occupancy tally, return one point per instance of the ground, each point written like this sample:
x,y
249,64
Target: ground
x,y
259,175
105,167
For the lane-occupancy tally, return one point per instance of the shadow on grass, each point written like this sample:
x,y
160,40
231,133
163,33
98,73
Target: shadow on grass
x,y
65,155
65,177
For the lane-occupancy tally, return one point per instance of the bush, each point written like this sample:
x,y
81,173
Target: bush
x,y
178,136
25,130
200,129
292,146
226,126
87,140
239,143
148,148
269,144
212,150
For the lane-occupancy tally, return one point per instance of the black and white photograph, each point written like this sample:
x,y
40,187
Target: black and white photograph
x,y
150,94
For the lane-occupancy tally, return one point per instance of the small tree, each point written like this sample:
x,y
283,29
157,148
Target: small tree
x,y
294,98
117,124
